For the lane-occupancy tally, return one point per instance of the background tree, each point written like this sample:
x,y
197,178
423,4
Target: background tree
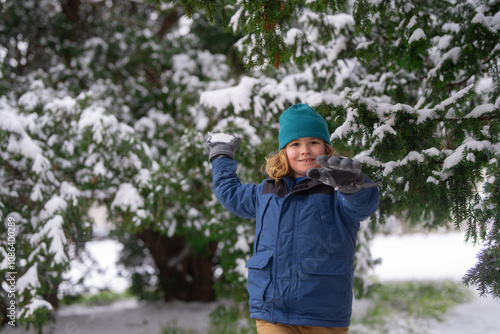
x,y
99,102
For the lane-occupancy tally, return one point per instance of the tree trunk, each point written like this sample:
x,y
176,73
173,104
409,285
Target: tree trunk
x,y
70,8
3,314
52,298
184,275
168,22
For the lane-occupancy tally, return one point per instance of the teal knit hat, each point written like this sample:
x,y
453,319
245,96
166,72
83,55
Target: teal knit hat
x,y
299,121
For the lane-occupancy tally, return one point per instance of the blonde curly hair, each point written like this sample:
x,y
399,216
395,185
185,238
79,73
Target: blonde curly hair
x,y
277,166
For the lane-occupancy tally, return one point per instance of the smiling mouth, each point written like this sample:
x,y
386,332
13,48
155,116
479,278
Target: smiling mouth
x,y
307,160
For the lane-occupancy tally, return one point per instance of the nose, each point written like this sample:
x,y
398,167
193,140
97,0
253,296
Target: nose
x,y
305,149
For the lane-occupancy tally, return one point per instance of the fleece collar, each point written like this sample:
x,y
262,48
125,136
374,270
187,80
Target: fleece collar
x,y
304,188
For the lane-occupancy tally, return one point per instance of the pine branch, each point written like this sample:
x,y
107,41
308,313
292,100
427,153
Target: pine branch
x,y
15,171
485,275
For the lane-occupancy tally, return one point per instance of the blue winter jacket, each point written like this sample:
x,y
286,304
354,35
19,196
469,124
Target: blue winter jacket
x,y
301,272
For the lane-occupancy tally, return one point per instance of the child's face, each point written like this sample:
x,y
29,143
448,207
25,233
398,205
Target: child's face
x,y
302,153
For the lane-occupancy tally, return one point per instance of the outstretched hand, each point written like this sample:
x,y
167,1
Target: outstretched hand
x,y
221,145
342,173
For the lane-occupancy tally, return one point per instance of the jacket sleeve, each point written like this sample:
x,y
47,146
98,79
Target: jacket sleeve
x,y
361,205
238,198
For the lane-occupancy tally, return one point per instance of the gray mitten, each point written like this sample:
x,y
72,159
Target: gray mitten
x,y
221,145
342,173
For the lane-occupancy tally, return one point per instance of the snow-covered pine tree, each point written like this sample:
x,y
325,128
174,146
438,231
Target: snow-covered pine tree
x,y
411,89
99,101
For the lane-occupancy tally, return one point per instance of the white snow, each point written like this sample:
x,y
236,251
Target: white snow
x,y
56,233
238,96
143,178
40,164
423,256
10,119
29,279
243,125
480,316
291,35
339,21
35,304
67,104
128,198
221,138
69,192
482,109
130,317
411,156
235,19
453,54
25,145
443,42
451,27
242,242
418,34
468,144
262,95
53,205
413,22
363,45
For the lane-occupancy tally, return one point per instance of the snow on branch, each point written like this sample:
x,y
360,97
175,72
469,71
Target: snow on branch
x,y
418,34
241,123
431,113
11,121
102,125
481,110
239,96
128,198
412,156
67,104
468,144
36,303
348,126
453,55
29,280
70,192
54,229
55,204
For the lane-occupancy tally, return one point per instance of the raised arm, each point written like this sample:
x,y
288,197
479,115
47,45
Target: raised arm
x,y
238,198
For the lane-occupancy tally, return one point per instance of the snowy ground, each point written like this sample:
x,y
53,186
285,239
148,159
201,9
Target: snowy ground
x,y
423,256
409,257
436,257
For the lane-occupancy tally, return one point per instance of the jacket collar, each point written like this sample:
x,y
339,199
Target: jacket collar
x,y
288,185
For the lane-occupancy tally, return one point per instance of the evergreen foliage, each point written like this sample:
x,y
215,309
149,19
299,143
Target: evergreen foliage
x,y
101,105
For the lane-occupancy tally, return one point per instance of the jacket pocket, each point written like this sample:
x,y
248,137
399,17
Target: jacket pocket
x,y
325,287
259,278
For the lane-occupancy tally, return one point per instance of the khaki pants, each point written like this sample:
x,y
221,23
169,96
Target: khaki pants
x,y
265,327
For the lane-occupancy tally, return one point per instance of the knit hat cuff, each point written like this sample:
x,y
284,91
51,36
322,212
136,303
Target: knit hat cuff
x,y
299,121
